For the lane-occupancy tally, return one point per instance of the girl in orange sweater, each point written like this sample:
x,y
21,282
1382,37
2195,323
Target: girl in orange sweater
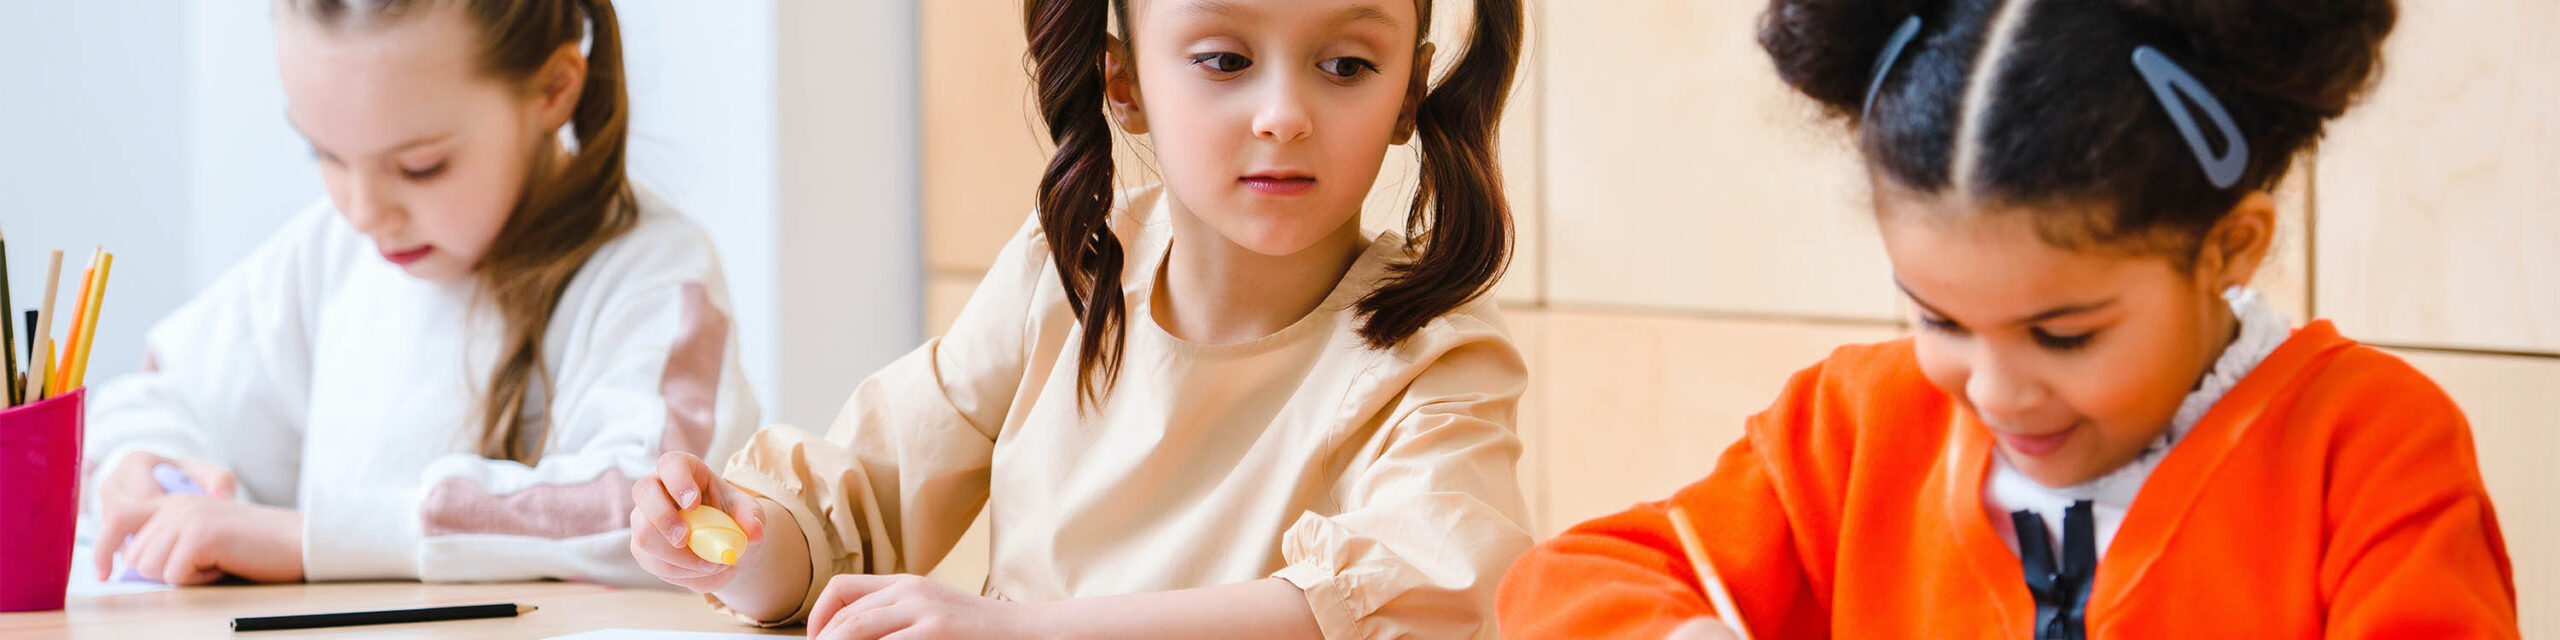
x,y
2098,431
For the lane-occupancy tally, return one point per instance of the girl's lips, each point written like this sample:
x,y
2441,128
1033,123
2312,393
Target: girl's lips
x,y
406,258
2036,446
1279,185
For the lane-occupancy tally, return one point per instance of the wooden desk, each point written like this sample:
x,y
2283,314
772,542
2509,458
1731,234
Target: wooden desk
x,y
206,612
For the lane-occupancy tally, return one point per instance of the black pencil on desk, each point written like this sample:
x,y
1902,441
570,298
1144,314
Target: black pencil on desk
x,y
389,616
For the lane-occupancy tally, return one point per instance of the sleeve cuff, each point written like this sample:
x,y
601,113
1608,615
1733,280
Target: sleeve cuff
x,y
360,534
1319,565
822,555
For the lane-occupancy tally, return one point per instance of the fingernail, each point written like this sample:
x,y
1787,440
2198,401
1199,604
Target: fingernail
x,y
675,535
689,499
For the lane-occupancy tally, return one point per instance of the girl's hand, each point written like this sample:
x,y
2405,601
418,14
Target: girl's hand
x,y
196,539
1701,628
863,607
658,531
128,496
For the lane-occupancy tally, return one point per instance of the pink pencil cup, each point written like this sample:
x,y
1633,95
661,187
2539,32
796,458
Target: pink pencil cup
x,y
39,500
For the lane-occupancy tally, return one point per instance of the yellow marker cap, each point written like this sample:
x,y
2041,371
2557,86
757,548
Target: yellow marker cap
x,y
714,536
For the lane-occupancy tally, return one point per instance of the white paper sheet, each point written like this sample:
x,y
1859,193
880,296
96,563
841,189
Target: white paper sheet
x,y
85,584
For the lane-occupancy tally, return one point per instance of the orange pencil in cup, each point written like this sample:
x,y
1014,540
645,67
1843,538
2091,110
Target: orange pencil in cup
x,y
69,347
1707,579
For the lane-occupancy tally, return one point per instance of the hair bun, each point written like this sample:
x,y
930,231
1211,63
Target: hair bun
x,y
1827,48
2319,55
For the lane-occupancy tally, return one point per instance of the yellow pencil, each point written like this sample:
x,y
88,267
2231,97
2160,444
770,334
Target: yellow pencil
x,y
1707,580
89,322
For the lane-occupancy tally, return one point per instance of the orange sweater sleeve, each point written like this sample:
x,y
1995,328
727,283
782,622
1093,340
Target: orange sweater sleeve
x,y
1625,575
2417,552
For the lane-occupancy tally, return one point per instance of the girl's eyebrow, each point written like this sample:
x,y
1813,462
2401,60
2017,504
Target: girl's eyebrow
x,y
2040,316
1365,13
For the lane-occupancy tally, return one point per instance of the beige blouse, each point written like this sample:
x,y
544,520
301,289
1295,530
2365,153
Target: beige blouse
x,y
1381,482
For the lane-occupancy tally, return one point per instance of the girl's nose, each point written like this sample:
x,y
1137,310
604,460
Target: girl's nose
x,y
2003,395
1283,117
367,207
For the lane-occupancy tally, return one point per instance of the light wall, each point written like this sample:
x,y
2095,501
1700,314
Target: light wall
x,y
1691,234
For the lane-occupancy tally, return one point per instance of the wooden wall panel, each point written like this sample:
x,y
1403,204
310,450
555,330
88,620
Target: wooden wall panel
x,y
1640,405
1676,157
2439,199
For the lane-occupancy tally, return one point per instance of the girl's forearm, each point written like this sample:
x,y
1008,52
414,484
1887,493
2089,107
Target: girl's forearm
x,y
1268,608
773,576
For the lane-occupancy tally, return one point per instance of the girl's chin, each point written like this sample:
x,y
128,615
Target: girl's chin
x,y
436,271
2063,469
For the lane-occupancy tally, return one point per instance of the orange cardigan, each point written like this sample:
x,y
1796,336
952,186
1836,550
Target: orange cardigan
x,y
2332,492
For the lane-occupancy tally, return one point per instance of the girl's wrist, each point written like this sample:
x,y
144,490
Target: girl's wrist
x,y
772,579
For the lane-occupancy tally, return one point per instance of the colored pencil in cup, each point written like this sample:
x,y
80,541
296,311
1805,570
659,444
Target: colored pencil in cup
x,y
41,386
89,322
15,381
68,348
40,382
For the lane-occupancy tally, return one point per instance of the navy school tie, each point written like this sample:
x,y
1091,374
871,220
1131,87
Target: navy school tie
x,y
2061,588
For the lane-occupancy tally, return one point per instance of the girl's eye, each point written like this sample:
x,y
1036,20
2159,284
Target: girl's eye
x,y
1941,325
423,173
2062,343
1347,68
1222,62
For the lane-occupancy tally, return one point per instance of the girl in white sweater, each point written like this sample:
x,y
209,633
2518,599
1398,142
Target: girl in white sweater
x,y
454,367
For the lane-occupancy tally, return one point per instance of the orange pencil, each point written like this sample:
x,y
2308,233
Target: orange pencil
x,y
71,340
89,322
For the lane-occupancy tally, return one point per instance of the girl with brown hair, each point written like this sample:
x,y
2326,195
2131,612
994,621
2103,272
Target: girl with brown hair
x,y
1214,407
452,367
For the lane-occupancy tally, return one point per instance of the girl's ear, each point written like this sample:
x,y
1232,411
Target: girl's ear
x,y
2239,243
562,80
1415,90
1120,87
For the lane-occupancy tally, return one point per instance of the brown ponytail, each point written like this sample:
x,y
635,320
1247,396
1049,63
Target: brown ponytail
x,y
558,223
1459,224
1067,39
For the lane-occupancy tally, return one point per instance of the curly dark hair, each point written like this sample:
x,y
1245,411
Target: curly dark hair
x,y
2021,102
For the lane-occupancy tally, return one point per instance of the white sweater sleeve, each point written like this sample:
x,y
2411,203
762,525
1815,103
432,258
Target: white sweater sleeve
x,y
643,361
227,375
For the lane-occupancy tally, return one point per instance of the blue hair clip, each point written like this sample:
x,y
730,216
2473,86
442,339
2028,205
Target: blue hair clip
x,y
1884,61
2168,80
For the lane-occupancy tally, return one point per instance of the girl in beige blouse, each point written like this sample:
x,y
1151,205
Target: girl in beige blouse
x,y
1218,408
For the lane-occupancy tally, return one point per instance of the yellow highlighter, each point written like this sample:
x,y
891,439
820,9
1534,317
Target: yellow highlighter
x,y
713,535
